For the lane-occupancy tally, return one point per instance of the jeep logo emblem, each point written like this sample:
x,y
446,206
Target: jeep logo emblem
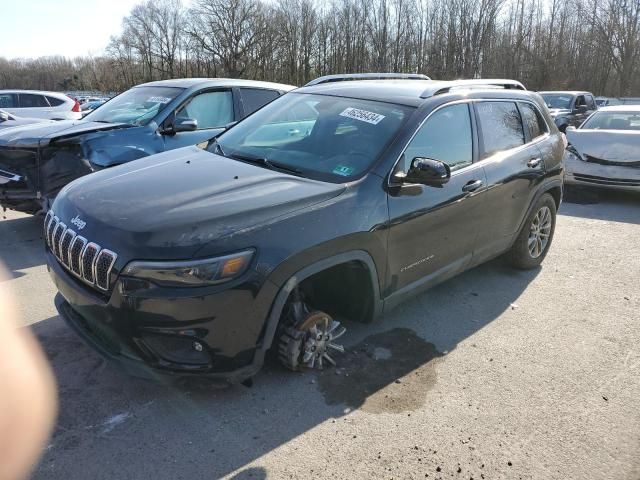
x,y
78,223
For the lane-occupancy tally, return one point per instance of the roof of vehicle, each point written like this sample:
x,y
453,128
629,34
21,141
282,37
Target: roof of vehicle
x,y
566,92
38,92
621,108
216,82
405,92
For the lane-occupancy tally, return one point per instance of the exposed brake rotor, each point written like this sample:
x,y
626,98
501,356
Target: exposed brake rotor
x,y
307,344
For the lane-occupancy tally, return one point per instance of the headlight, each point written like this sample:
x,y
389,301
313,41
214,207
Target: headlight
x,y
192,273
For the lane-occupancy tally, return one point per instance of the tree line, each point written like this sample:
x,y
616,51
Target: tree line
x,y
546,44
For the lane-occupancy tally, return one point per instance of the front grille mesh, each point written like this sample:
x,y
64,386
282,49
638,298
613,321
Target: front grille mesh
x,y
86,260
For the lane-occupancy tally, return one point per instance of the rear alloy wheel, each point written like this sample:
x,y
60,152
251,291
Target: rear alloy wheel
x,y
534,240
308,344
539,232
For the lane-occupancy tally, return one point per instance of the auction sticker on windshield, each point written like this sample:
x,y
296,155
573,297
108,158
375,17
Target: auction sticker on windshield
x,y
343,170
158,99
362,115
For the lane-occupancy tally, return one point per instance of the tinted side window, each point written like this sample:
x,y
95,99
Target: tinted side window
x,y
580,101
210,109
500,126
255,98
445,136
591,105
55,102
8,100
30,100
532,120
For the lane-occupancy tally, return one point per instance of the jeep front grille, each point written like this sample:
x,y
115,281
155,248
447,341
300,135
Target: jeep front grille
x,y
86,260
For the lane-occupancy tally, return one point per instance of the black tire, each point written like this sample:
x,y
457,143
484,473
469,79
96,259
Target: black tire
x,y
520,255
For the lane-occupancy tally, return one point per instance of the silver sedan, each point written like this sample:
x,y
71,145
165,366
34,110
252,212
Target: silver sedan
x,y
605,150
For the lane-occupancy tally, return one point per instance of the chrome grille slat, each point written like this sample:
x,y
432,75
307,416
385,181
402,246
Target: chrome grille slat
x,y
75,255
52,227
86,260
89,256
102,268
65,244
47,222
57,237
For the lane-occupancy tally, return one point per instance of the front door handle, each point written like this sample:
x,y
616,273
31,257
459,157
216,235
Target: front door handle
x,y
472,186
534,162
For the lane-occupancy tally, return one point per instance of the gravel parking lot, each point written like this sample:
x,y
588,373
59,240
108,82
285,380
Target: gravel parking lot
x,y
494,374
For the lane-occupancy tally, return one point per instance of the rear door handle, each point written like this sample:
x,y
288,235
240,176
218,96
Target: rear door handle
x,y
534,162
472,186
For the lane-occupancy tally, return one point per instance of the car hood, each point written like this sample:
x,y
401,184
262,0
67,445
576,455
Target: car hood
x,y
555,112
172,204
41,134
609,145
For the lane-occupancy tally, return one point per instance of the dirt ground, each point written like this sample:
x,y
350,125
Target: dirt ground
x,y
494,374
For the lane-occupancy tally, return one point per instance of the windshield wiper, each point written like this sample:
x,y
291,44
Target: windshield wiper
x,y
218,148
264,162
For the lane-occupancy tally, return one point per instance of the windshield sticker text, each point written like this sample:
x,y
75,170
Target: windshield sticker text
x,y
362,115
343,170
158,99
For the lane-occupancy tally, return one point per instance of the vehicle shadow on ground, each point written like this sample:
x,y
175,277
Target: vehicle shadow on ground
x,y
579,201
21,244
112,425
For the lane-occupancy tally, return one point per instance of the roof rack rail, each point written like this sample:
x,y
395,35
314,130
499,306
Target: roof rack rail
x,y
438,88
342,77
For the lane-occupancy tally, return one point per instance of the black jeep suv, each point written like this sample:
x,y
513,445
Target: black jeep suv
x,y
337,200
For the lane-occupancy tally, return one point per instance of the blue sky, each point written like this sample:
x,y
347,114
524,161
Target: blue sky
x,y
33,28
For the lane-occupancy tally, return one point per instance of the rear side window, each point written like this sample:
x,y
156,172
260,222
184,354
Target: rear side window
x,y
30,100
445,136
500,127
255,98
591,105
55,102
8,100
534,124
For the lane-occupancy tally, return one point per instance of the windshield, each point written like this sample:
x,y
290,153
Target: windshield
x,y
137,106
613,121
323,137
556,100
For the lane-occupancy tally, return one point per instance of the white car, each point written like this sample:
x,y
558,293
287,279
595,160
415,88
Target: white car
x,y
7,120
605,150
36,104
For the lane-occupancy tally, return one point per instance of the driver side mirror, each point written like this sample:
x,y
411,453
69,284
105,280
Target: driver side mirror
x,y
185,125
426,171
4,116
581,109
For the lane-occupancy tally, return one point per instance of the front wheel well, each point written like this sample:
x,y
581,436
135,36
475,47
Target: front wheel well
x,y
344,290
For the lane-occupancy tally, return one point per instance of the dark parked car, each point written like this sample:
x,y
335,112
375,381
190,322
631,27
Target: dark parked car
x,y
37,161
605,150
337,200
569,108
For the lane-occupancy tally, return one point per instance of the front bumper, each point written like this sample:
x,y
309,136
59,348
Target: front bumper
x,y
154,334
578,172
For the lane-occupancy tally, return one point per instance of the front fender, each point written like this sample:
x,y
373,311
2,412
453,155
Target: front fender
x,y
112,155
303,273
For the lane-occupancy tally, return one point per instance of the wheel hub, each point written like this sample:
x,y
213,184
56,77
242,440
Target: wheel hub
x,y
320,331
